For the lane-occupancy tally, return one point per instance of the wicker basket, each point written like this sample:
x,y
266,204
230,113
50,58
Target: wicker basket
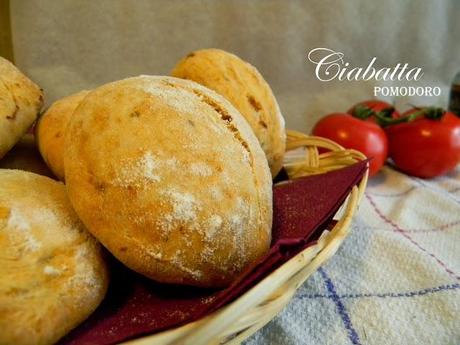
x,y
250,312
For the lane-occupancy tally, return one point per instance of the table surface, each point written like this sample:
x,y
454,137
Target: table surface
x,y
396,278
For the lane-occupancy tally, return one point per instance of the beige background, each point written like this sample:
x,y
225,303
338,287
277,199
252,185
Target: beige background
x,y
69,45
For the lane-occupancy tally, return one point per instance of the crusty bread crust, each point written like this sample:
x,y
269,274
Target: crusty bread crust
x,y
170,178
246,89
52,273
50,131
20,102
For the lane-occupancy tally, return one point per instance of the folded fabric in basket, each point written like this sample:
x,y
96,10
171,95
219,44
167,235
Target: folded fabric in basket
x,y
135,306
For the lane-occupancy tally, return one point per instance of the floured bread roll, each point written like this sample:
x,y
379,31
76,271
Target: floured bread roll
x,y
171,179
52,273
246,89
50,131
20,102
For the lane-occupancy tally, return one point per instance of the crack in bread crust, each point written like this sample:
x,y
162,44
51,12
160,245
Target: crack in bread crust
x,y
227,118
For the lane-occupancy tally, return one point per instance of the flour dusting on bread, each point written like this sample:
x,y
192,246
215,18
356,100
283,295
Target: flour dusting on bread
x,y
184,184
48,260
138,172
17,221
201,169
184,205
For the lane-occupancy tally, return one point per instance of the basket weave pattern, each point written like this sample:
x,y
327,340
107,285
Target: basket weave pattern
x,y
250,312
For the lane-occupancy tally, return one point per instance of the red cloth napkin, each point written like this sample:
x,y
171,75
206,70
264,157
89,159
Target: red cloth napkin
x,y
135,306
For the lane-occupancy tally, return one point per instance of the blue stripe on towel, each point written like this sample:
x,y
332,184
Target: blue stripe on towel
x,y
388,294
354,338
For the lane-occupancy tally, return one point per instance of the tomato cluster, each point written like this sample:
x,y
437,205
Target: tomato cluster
x,y
423,142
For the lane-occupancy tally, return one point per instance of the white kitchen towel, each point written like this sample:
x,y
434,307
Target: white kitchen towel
x,y
396,278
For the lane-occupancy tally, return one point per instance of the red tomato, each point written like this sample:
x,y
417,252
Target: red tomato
x,y
354,133
374,110
425,147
